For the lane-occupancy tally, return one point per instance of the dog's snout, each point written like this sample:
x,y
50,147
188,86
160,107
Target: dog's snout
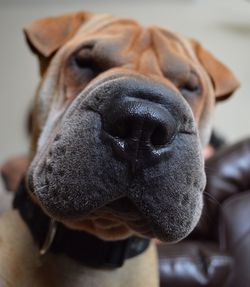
x,y
139,130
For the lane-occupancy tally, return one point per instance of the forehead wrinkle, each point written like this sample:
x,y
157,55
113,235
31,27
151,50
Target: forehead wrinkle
x,y
131,45
120,49
100,23
177,38
183,41
145,57
148,63
152,56
172,58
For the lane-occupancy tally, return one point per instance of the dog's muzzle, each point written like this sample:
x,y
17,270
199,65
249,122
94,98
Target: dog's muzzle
x,y
124,137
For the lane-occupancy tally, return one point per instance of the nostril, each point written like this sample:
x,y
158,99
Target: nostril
x,y
159,136
163,133
120,129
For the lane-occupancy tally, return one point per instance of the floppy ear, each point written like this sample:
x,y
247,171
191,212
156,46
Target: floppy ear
x,y
45,36
224,81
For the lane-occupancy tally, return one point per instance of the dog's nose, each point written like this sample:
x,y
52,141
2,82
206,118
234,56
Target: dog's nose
x,y
140,131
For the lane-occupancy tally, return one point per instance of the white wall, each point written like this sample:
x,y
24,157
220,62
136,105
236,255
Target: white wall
x,y
222,26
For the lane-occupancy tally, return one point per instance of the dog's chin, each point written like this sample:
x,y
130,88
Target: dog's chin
x,y
121,219
109,223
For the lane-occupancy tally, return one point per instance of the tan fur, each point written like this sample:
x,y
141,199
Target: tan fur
x,y
22,266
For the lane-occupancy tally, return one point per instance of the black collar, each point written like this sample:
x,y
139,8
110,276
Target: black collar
x,y
81,246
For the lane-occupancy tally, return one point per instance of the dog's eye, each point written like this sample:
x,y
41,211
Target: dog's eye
x,y
83,58
191,86
86,64
80,68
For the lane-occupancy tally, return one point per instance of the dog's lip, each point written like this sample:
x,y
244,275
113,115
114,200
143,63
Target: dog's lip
x,y
129,217
124,207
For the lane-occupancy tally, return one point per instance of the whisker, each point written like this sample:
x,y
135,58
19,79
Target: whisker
x,y
41,188
211,198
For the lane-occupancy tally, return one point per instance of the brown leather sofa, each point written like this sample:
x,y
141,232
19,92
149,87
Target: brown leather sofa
x,y
217,252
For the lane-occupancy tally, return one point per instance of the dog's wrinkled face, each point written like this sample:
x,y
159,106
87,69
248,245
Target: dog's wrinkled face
x,y
123,111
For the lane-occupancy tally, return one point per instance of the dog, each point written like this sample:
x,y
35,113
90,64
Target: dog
x,y
119,121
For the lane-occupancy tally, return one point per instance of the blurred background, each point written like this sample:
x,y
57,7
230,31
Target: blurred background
x,y
223,26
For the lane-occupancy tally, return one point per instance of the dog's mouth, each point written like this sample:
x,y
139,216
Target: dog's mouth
x,y
96,174
116,220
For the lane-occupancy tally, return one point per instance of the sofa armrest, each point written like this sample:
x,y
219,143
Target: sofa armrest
x,y
191,263
234,236
228,173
